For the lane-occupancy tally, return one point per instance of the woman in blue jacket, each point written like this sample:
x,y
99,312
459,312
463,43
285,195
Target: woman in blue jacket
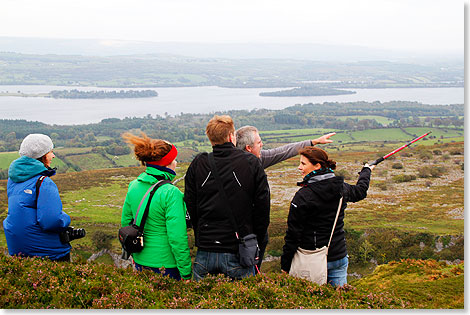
x,y
34,224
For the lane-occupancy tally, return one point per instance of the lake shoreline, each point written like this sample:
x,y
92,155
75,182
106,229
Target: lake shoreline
x,y
195,100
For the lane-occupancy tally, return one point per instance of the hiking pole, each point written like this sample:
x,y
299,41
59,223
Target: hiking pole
x,y
399,149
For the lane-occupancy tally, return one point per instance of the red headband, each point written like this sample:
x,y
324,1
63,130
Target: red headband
x,y
167,159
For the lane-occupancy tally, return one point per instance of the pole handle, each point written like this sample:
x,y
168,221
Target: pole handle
x,y
380,159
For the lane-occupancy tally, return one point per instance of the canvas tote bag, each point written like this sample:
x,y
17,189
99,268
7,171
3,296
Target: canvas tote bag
x,y
312,264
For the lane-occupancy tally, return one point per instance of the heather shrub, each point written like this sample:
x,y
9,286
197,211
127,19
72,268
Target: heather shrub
x,y
344,173
102,240
382,185
38,283
431,171
403,178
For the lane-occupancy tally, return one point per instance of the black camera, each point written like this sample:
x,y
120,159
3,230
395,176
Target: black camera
x,y
71,234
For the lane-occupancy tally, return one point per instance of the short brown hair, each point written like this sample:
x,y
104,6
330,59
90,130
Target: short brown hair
x,y
219,128
147,149
316,155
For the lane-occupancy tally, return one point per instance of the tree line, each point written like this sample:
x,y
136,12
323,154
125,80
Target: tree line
x,y
191,127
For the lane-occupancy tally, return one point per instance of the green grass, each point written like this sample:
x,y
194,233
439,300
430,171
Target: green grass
x,y
419,284
380,119
124,160
6,158
90,161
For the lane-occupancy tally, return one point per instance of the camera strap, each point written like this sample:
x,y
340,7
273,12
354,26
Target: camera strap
x,y
151,191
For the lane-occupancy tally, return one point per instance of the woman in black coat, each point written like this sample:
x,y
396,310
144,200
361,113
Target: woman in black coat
x,y
313,210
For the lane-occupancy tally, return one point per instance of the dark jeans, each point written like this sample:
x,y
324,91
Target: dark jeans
x,y
171,272
338,271
219,263
262,249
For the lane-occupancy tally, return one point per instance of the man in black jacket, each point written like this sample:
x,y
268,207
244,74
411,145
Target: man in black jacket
x,y
249,140
246,188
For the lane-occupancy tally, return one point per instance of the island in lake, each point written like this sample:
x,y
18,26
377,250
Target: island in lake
x,y
102,94
307,91
76,94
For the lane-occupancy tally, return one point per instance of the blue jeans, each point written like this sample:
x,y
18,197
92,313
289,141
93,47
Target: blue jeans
x,y
171,272
338,271
214,263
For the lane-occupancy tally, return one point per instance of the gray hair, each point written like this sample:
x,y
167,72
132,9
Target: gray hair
x,y
245,136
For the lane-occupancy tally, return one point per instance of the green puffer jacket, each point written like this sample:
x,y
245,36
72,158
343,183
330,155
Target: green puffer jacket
x,y
165,236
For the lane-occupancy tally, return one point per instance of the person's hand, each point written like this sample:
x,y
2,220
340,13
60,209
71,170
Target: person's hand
x,y
370,166
324,139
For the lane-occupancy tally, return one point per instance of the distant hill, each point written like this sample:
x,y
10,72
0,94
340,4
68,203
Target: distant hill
x,y
303,51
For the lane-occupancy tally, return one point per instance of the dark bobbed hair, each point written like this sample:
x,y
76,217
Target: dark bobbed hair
x,y
317,155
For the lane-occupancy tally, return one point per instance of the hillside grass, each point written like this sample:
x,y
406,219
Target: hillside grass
x,y
36,283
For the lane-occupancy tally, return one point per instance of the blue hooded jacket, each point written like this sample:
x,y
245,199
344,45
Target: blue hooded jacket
x,y
31,230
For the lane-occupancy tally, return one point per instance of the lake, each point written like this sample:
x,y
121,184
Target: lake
x,y
188,100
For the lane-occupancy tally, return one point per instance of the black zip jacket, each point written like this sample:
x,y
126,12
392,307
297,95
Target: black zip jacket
x,y
246,187
312,213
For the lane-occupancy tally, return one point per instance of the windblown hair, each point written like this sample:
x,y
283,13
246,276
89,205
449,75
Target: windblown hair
x,y
246,136
219,128
316,155
147,149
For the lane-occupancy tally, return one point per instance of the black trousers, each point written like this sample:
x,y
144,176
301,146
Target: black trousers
x,y
64,258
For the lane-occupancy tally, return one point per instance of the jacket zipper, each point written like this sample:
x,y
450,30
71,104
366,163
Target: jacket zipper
x,y
236,179
206,179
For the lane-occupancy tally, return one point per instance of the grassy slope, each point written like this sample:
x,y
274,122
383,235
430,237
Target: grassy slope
x,y
434,205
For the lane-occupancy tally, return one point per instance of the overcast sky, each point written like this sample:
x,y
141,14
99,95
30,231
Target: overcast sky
x,y
409,25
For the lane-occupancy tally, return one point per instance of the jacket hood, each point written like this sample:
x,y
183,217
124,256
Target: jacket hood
x,y
25,168
152,175
327,189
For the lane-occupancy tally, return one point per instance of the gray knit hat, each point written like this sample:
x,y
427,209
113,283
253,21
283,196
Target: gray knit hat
x,y
36,145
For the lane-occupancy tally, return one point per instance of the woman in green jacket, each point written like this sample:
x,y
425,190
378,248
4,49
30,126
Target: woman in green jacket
x,y
166,247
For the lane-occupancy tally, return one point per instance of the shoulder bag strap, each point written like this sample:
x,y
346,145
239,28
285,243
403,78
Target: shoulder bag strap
x,y
38,185
150,191
222,192
336,219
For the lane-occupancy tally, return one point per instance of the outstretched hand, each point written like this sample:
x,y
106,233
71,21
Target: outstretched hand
x,y
324,139
370,166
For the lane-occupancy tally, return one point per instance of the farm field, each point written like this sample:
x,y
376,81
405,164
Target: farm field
x,y
75,159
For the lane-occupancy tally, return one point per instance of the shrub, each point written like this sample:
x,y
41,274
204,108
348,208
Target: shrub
x,y
102,240
437,152
403,178
382,185
344,173
456,152
397,166
425,155
39,283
